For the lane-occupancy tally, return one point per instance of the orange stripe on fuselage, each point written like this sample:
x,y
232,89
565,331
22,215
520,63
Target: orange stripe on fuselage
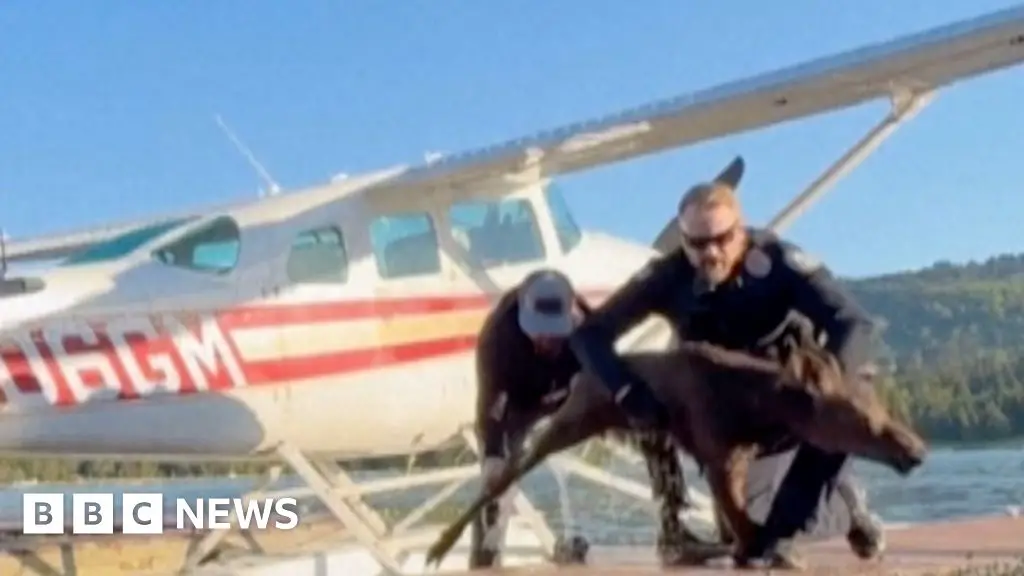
x,y
265,315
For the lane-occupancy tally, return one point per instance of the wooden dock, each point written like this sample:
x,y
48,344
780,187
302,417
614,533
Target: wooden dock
x,y
939,548
923,549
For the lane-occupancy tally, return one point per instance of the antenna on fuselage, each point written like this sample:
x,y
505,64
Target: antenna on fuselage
x,y
273,188
3,254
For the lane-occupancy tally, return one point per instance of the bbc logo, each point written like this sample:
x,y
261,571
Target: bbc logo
x,y
141,513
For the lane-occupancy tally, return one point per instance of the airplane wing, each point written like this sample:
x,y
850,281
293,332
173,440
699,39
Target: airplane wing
x,y
916,64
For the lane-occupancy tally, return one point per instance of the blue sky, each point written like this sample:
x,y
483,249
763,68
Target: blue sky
x,y
107,109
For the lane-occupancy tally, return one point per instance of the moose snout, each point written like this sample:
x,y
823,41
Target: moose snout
x,y
906,463
910,449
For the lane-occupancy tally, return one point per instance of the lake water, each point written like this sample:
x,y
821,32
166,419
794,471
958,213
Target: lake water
x,y
952,483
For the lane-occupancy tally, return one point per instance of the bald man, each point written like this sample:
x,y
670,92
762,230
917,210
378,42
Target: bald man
x,y
739,287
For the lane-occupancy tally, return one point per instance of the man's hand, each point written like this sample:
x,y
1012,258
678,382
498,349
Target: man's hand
x,y
493,468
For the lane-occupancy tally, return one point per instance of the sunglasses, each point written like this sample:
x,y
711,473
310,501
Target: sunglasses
x,y
705,242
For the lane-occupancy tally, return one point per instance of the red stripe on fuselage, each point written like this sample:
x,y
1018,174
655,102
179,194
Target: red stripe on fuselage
x,y
270,372
271,315
274,371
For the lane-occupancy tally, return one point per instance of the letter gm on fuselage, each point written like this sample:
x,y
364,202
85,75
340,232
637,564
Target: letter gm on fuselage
x,y
146,513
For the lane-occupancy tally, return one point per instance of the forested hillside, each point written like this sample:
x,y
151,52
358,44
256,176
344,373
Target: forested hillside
x,y
953,335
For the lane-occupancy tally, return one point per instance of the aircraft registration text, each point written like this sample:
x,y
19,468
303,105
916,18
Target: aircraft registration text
x,y
122,358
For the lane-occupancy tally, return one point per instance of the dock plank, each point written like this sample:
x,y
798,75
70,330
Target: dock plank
x,y
917,550
922,549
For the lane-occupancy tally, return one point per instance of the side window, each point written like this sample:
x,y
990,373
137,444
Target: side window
x,y
569,234
497,232
318,256
405,245
214,247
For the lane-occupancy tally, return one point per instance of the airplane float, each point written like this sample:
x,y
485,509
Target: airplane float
x,y
338,322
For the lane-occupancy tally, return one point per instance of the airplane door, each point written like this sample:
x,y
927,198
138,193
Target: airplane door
x,y
499,239
214,267
311,285
424,326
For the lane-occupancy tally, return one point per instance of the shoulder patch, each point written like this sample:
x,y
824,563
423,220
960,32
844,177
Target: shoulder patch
x,y
802,261
757,263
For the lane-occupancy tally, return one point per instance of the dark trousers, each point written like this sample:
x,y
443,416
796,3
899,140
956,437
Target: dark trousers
x,y
812,475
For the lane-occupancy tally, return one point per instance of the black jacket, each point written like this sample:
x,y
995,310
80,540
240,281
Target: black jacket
x,y
511,376
777,279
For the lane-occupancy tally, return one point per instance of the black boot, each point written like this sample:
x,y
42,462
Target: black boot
x,y
678,546
480,558
767,552
571,551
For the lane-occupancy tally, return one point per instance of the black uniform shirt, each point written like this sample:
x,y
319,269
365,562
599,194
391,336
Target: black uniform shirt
x,y
776,280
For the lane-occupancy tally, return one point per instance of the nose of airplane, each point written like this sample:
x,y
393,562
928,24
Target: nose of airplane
x,y
25,298
19,299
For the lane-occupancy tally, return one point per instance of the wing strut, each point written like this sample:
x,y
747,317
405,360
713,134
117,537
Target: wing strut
x,y
905,105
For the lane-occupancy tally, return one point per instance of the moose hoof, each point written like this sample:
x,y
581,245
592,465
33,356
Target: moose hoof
x,y
571,551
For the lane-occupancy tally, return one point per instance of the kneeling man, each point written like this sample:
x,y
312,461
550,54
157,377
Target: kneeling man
x,y
523,370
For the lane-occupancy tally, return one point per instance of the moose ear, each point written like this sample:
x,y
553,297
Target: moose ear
x,y
833,363
801,331
732,173
791,359
787,348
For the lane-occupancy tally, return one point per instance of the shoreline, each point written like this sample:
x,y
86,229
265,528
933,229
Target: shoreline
x,y
252,471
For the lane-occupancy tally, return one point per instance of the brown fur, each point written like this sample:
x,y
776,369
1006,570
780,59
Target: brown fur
x,y
723,404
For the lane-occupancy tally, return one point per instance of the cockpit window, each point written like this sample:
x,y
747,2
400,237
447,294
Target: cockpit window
x,y
569,234
497,233
122,244
405,245
214,247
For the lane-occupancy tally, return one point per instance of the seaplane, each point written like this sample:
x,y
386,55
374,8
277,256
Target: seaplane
x,y
333,323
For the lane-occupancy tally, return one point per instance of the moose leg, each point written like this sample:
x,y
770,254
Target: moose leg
x,y
727,479
724,531
587,412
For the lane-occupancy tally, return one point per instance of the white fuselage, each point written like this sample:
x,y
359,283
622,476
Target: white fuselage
x,y
156,354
